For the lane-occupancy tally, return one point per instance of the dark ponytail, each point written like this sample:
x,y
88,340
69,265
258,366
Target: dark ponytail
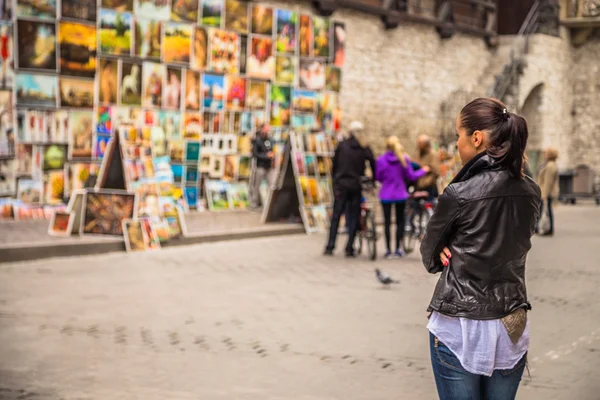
x,y
507,132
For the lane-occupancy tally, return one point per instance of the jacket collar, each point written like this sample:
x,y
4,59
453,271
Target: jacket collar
x,y
481,162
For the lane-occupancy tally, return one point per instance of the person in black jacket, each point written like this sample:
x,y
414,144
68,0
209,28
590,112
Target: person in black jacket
x,y
262,152
347,171
478,239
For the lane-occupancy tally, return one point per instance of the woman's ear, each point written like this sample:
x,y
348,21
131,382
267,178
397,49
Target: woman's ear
x,y
477,139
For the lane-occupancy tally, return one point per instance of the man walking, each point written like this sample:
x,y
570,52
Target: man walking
x,y
428,158
262,152
348,168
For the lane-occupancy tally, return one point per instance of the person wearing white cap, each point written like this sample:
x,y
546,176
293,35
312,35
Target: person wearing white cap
x,y
349,162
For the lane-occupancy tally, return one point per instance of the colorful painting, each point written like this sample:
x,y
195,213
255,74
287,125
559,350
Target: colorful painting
x,y
216,193
131,84
286,31
231,168
261,63
108,83
29,191
212,12
153,9
39,8
7,134
54,187
321,37
79,9
7,209
192,152
325,191
170,123
280,105
257,95
105,210
76,92
184,10
100,146
78,174
285,70
81,134
54,157
148,39
213,91
304,101
339,44
200,49
192,126
236,15
61,223
224,51
238,196
37,90
37,45
172,92
191,174
192,90
7,57
153,79
305,40
177,43
236,92
312,74
134,235
153,240
262,20
333,79
77,49
115,32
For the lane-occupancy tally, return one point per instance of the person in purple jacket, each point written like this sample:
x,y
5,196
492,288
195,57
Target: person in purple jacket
x,y
393,170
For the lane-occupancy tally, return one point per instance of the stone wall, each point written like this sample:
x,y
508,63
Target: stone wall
x,y
585,141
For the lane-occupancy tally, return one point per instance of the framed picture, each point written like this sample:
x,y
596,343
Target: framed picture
x,y
212,12
44,9
37,45
262,20
153,240
79,9
30,191
216,193
236,15
76,92
61,224
105,210
177,43
224,51
134,235
115,35
37,90
77,49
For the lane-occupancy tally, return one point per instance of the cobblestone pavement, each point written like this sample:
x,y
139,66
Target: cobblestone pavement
x,y
273,319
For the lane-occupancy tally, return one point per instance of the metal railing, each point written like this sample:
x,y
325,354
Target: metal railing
x,y
513,68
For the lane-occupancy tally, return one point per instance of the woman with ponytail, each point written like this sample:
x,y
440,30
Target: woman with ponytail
x,y
393,170
478,239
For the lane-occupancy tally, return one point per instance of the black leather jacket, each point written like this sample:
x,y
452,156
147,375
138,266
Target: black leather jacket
x,y
486,218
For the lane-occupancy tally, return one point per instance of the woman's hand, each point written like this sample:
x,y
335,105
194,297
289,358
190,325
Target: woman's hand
x,y
426,168
445,256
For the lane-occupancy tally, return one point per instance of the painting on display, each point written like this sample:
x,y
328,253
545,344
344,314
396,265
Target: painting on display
x,y
177,42
36,90
224,51
105,210
212,12
134,235
333,79
131,84
200,49
7,72
115,36
285,70
236,92
312,74
321,37
153,9
76,92
81,134
108,73
61,224
286,21
192,91
339,44
262,19
118,5
236,15
213,91
37,45
45,9
7,134
148,39
153,78
184,10
77,49
305,40
280,105
261,62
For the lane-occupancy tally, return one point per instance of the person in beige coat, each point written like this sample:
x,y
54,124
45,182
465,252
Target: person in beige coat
x,y
548,181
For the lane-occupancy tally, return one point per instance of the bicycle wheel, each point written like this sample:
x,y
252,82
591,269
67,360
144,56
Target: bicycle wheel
x,y
371,233
410,238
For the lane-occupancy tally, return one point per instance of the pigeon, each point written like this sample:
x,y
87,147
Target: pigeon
x,y
384,278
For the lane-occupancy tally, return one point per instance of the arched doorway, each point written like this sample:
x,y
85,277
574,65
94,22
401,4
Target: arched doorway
x,y
531,111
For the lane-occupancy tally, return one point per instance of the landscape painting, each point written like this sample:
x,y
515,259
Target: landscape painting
x,y
115,32
37,90
77,49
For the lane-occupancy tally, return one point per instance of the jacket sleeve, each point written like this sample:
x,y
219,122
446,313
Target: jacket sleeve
x,y
378,175
410,174
371,159
439,230
259,152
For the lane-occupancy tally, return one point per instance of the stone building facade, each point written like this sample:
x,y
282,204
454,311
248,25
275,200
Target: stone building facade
x,y
397,81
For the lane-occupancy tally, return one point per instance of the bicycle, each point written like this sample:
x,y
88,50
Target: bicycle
x,y
418,214
367,230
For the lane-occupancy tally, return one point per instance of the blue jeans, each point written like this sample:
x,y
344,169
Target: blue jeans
x,y
454,383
